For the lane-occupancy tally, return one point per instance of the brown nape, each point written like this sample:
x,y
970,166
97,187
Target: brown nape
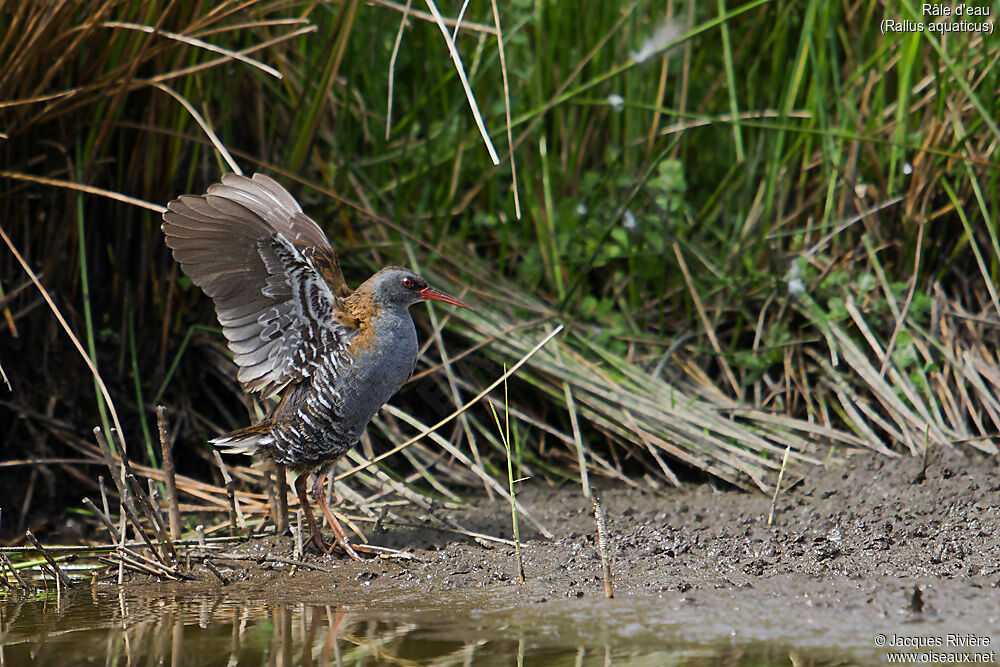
x,y
361,305
362,309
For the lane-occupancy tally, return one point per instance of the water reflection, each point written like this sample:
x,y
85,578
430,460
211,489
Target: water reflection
x,y
214,629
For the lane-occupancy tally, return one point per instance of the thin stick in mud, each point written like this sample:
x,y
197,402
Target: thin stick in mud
x,y
167,450
127,503
505,437
299,552
602,545
215,570
272,500
777,485
137,562
104,498
155,520
154,500
163,540
6,584
63,579
5,562
237,526
281,491
105,519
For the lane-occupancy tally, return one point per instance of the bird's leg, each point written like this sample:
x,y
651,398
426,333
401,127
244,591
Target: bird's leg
x,y
300,490
340,538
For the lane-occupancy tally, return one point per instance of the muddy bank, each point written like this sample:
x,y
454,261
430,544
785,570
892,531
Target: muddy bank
x,y
896,546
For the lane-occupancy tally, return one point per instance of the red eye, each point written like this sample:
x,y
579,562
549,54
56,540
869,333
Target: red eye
x,y
407,282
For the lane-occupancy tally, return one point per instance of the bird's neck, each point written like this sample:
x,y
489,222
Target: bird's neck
x,y
366,310
375,322
391,317
361,306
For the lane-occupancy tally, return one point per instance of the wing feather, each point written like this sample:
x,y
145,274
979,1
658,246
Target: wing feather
x,y
272,274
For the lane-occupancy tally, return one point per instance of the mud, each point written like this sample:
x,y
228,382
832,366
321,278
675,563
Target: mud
x,y
895,547
876,556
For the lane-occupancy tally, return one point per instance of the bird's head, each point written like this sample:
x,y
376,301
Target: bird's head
x,y
395,285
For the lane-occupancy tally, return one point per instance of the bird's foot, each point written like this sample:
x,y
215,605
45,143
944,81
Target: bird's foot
x,y
341,548
353,551
340,542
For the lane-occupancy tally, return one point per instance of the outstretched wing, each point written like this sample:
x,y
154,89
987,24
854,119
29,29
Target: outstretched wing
x,y
273,204
275,280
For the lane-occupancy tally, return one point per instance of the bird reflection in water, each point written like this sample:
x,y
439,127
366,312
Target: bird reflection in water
x,y
204,630
179,629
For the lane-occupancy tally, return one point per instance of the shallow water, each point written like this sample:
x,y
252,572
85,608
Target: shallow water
x,y
117,628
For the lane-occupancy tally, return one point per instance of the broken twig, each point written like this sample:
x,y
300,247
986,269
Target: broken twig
x,y
167,449
63,579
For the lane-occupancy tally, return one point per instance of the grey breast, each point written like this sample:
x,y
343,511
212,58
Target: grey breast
x,y
380,370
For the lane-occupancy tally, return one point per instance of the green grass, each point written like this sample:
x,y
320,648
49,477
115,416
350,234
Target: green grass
x,y
504,432
662,229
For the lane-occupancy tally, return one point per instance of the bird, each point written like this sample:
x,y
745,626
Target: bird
x,y
329,355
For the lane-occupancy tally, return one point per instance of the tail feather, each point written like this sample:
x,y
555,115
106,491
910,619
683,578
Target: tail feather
x,y
247,440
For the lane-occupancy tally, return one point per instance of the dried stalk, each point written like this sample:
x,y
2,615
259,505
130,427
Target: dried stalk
x,y
602,546
63,579
167,449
